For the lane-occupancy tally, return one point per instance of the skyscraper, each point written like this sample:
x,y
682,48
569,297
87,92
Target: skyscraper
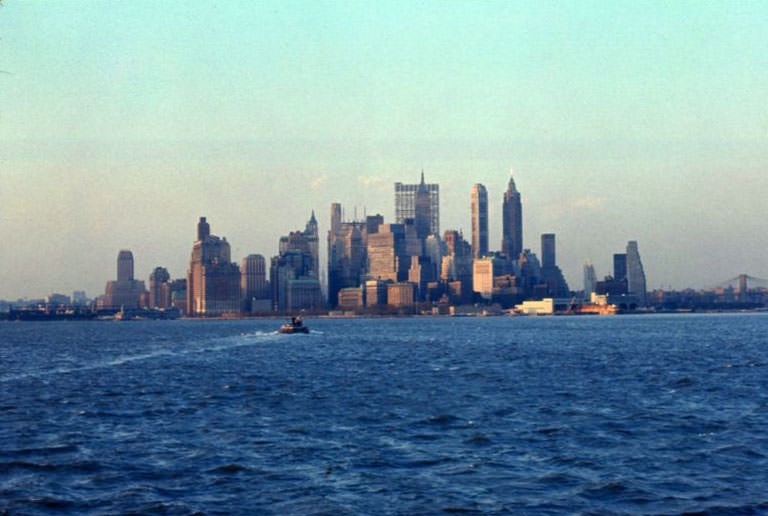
x,y
294,273
635,274
590,280
405,204
126,292
160,288
253,281
125,265
548,250
387,257
478,204
512,222
213,281
313,241
551,274
457,265
620,266
305,241
347,251
423,211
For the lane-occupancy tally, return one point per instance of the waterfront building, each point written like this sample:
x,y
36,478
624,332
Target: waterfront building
x,y
590,280
351,299
401,294
609,286
79,298
303,294
512,222
375,293
288,266
294,273
213,281
636,285
126,291
478,203
405,203
160,288
178,290
483,272
55,300
254,285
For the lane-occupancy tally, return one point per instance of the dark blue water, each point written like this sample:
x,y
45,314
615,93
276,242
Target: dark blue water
x,y
601,415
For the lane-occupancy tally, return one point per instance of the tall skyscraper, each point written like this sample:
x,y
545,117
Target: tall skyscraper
x,y
620,266
347,251
294,273
423,211
590,280
160,288
478,204
548,250
313,241
125,265
125,292
635,274
405,204
253,281
457,265
387,257
512,222
213,281
550,272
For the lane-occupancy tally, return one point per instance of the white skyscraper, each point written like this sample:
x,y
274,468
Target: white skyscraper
x,y
590,280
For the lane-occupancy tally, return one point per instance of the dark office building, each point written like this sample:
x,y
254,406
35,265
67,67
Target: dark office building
x,y
620,266
548,250
512,222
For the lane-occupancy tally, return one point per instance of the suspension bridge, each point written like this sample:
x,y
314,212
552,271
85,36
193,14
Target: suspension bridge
x,y
742,283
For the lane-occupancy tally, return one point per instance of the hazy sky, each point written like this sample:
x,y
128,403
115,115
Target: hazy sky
x,y
121,122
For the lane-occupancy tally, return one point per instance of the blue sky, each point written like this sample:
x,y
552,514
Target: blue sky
x,y
122,122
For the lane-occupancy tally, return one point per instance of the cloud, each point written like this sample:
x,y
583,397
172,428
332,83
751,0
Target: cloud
x,y
589,202
370,180
318,181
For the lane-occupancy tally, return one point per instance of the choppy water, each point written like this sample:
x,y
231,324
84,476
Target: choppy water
x,y
622,415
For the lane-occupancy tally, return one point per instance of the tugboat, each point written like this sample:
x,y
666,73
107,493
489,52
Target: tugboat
x,y
295,326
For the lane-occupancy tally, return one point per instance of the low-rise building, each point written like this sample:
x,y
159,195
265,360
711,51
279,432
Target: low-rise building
x,y
351,299
401,295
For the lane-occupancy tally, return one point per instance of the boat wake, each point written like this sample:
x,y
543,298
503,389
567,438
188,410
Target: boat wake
x,y
228,343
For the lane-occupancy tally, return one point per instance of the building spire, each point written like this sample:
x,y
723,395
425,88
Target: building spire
x,y
422,176
511,187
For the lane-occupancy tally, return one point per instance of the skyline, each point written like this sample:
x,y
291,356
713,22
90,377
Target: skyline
x,y
622,122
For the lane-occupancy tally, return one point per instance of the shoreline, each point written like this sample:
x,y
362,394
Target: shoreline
x,y
42,318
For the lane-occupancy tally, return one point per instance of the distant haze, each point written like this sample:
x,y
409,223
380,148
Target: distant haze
x,y
123,122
